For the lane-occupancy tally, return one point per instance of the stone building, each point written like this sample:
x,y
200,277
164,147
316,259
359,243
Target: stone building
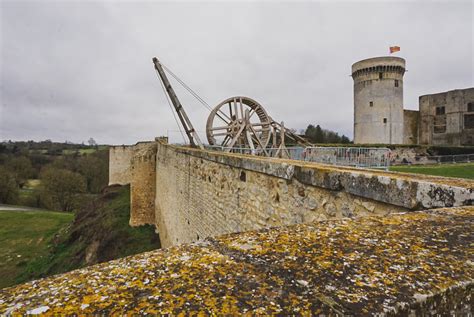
x,y
379,118
447,118
378,100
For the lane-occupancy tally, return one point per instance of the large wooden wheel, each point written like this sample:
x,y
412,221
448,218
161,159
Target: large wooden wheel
x,y
239,122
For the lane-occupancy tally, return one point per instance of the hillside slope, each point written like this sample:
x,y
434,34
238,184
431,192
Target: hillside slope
x,y
99,233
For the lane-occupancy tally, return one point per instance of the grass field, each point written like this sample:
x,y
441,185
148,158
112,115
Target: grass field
x,y
461,170
84,151
29,193
24,236
80,151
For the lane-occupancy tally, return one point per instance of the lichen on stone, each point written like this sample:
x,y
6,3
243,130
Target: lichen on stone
x,y
411,261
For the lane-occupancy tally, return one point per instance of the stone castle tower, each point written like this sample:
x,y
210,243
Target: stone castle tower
x,y
378,100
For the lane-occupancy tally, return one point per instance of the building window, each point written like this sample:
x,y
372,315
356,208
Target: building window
x,y
439,123
440,111
384,120
396,83
470,107
469,121
380,75
371,103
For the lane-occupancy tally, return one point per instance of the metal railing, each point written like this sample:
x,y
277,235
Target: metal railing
x,y
364,157
294,153
344,156
458,158
350,156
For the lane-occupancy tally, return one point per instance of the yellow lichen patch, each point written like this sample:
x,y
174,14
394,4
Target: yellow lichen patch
x,y
360,266
387,258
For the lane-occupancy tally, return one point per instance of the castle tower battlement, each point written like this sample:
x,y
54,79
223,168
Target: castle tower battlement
x,y
378,100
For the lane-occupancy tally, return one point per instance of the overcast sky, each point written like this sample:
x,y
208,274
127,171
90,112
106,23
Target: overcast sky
x,y
74,70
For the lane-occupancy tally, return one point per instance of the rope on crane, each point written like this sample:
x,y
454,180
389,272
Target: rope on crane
x,y
193,93
171,107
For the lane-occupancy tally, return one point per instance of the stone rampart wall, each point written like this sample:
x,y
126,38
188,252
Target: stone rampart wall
x,y
410,126
135,165
119,164
203,193
142,187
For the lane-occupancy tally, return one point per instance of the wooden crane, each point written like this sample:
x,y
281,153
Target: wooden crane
x,y
237,122
183,117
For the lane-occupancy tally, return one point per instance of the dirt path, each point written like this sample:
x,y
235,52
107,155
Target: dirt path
x,y
18,208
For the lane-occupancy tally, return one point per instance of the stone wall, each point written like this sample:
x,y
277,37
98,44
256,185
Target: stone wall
x,y
119,164
454,125
142,187
410,126
204,193
410,155
135,165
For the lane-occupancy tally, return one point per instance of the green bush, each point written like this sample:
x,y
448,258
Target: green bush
x,y
9,192
61,189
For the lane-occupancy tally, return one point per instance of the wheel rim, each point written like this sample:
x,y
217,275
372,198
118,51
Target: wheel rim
x,y
228,118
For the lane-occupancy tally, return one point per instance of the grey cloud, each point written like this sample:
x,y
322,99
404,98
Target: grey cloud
x,y
71,70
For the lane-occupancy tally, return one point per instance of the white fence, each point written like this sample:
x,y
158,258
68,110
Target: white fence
x,y
344,156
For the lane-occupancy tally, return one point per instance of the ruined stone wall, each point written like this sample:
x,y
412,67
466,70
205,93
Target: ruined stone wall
x,y
454,125
410,126
410,155
203,193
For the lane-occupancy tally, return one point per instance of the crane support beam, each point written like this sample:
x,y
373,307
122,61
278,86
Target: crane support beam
x,y
183,117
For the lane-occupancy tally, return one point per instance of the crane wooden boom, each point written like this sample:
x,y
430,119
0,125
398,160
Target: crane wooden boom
x,y
183,117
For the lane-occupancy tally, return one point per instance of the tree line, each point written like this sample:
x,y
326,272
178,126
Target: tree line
x,y
61,181
316,134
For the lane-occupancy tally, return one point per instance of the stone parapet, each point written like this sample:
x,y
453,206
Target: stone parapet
x,y
415,263
412,191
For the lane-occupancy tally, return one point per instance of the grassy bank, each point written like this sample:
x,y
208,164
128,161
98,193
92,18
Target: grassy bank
x,y
98,233
24,237
460,170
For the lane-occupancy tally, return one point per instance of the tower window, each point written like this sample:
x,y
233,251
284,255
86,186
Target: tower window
x,y
384,120
380,75
440,111
371,103
470,107
396,83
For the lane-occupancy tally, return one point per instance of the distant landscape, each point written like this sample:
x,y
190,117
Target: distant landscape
x,y
57,212
51,175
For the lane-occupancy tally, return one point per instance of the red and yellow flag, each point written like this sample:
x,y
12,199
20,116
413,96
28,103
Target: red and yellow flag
x,y
394,49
